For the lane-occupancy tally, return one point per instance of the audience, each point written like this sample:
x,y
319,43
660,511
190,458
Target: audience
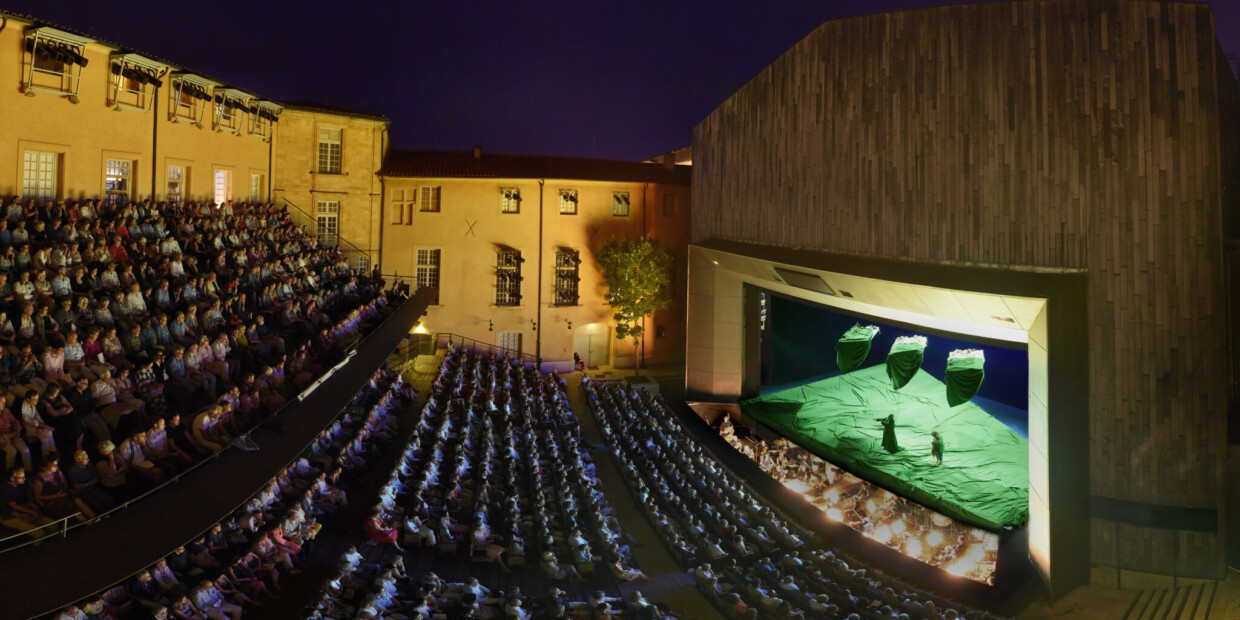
x,y
116,317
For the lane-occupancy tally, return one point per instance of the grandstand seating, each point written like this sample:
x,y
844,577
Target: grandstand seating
x,y
210,316
242,558
496,447
749,559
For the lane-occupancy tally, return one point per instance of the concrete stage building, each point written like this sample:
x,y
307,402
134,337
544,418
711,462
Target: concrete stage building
x,y
1055,175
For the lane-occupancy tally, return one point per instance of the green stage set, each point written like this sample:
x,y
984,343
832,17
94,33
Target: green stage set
x,y
984,479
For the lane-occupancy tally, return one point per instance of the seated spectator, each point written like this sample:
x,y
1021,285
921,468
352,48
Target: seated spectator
x,y
18,512
55,498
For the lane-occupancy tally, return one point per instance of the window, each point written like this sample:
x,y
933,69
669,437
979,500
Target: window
x,y
327,229
39,174
176,184
329,151
261,119
363,262
230,112
511,201
508,278
428,271
620,204
256,187
133,83
403,203
510,343
430,198
53,64
567,266
188,99
669,205
223,186
568,202
116,181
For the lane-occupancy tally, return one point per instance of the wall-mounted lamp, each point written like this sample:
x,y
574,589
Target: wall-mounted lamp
x,y
490,325
570,324
533,326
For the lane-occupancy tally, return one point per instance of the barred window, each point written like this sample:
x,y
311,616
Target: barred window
x,y
511,200
508,278
567,275
568,202
428,271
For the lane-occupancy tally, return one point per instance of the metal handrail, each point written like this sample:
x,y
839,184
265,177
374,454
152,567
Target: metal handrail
x,y
339,239
193,467
64,530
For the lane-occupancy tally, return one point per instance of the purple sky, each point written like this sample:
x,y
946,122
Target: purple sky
x,y
551,77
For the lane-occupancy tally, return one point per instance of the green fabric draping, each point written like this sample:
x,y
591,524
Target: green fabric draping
x,y
984,479
903,361
853,346
963,378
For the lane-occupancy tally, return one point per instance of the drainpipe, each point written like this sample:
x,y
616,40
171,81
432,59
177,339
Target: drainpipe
x,y
154,134
538,298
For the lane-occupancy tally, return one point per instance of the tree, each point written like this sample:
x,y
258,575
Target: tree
x,y
639,281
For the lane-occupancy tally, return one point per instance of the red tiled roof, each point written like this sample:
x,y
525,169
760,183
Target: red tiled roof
x,y
497,165
679,156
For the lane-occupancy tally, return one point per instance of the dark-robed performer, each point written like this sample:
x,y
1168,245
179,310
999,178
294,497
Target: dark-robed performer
x,y
936,448
889,433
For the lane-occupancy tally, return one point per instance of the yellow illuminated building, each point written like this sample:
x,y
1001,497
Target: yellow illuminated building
x,y
510,240
85,118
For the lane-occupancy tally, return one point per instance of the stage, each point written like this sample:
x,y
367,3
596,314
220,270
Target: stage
x,y
984,479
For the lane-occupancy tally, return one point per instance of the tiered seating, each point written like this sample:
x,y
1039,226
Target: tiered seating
x,y
498,450
498,454
241,559
746,556
127,319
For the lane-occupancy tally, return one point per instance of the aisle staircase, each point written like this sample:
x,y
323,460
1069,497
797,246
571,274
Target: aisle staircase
x,y
1191,602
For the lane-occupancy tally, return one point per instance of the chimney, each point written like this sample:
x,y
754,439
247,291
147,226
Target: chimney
x,y
477,151
669,161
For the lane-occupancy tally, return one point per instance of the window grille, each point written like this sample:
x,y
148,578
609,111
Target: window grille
x,y
567,276
508,278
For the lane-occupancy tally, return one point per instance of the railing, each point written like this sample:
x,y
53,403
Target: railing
x,y
64,530
361,260
116,509
348,350
447,341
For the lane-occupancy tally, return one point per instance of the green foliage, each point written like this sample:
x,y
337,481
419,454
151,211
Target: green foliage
x,y
639,281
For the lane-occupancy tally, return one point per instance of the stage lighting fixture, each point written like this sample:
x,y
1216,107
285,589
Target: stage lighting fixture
x,y
490,325
533,326
570,324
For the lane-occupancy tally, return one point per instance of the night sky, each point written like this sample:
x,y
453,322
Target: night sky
x,y
618,80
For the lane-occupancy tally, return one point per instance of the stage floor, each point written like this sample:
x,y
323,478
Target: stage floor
x,y
984,479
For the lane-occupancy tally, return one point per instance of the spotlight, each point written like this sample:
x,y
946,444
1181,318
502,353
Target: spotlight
x,y
490,325
533,326
570,324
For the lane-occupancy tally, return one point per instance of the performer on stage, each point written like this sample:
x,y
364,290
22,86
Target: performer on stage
x,y
889,433
936,448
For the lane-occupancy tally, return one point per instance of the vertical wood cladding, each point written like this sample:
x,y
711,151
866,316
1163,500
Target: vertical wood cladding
x,y
1048,133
